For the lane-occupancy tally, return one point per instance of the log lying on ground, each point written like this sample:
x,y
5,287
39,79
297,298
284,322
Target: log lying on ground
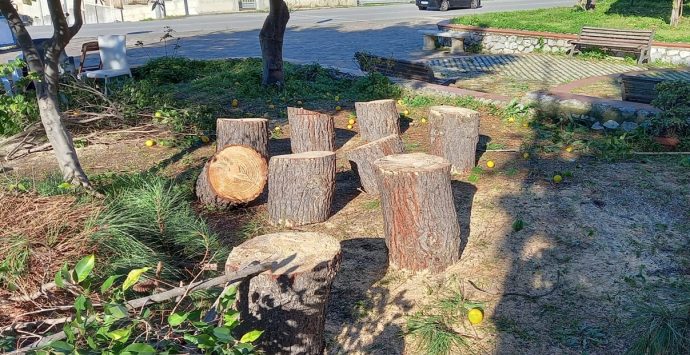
x,y
454,134
235,175
288,301
362,159
252,132
377,119
310,131
420,221
300,188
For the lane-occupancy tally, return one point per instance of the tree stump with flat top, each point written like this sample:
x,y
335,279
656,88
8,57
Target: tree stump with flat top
x,y
377,119
362,159
252,132
454,134
310,131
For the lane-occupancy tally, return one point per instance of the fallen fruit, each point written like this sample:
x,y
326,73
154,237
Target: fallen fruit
x,y
511,119
158,114
351,121
204,139
525,155
235,103
407,112
569,149
338,108
423,120
277,128
490,164
150,143
557,178
475,316
349,126
337,98
400,102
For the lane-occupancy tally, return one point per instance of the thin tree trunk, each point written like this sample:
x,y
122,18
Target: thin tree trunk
x,y
271,39
677,12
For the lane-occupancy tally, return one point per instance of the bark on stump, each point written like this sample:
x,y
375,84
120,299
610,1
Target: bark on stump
x,y
252,132
235,175
420,221
288,302
454,134
377,119
310,131
362,159
300,188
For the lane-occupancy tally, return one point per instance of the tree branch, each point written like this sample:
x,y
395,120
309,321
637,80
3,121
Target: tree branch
x,y
78,19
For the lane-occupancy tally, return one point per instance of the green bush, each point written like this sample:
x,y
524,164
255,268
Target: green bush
x,y
18,109
673,100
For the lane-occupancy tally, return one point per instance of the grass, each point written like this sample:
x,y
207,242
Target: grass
x,y
628,14
661,329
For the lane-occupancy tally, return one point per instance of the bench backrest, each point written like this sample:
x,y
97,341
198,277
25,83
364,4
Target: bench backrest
x,y
612,36
395,67
637,88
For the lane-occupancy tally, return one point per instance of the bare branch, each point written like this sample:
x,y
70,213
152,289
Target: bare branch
x,y
78,18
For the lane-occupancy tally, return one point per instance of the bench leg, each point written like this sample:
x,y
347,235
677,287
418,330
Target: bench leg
x,y
429,43
644,57
573,49
457,45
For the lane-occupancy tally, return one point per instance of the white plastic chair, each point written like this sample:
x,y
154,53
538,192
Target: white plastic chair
x,y
113,52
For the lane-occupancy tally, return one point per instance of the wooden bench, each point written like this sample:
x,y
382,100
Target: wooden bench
x,y
638,42
637,88
457,40
395,67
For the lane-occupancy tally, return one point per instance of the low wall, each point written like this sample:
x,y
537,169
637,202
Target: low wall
x,y
500,41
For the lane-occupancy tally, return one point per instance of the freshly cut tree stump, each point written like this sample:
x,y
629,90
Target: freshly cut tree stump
x,y
310,131
300,188
288,302
252,132
362,159
235,175
454,134
377,119
419,217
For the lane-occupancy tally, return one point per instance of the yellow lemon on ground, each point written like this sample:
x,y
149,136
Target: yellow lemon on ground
x,y
235,103
150,143
400,102
525,155
423,120
475,315
569,148
511,119
277,128
557,178
490,164
337,98
204,139
158,114
407,112
338,108
351,121
349,126
526,124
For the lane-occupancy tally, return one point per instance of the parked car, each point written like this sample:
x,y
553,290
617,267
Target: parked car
x,y
444,5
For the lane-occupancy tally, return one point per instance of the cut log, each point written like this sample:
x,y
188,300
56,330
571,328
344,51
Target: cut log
x,y
419,217
454,134
235,175
288,302
252,132
310,131
300,188
362,159
377,119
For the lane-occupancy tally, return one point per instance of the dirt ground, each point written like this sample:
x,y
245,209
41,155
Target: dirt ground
x,y
592,248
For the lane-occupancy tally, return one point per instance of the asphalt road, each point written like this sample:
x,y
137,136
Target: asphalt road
x,y
303,18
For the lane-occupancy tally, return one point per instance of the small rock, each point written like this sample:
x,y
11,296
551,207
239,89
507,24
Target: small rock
x,y
611,124
597,126
629,126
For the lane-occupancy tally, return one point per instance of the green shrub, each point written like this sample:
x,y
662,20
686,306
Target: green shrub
x,y
673,100
18,109
170,70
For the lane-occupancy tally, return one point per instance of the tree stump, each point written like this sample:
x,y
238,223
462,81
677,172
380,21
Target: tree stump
x,y
377,119
288,302
454,134
362,159
235,175
420,221
300,188
252,132
310,131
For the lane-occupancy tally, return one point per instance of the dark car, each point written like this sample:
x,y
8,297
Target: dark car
x,y
444,5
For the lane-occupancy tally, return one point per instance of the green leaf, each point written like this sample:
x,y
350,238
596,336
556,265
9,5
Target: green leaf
x,y
191,338
80,303
62,346
138,348
222,334
231,319
118,311
120,335
108,283
133,277
251,336
84,268
61,275
176,319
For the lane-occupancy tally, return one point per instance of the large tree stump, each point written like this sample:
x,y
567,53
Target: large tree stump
x,y
377,119
454,134
362,159
252,132
300,188
235,175
288,302
419,217
310,131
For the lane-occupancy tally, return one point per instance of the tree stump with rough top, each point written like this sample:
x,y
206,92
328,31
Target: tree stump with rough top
x,y
362,159
300,188
377,119
310,131
235,175
288,302
454,134
252,132
419,217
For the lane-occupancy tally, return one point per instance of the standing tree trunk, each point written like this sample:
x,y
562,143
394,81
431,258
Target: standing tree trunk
x,y
377,119
454,134
288,302
271,39
310,131
46,67
300,188
419,217
362,159
252,132
677,12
